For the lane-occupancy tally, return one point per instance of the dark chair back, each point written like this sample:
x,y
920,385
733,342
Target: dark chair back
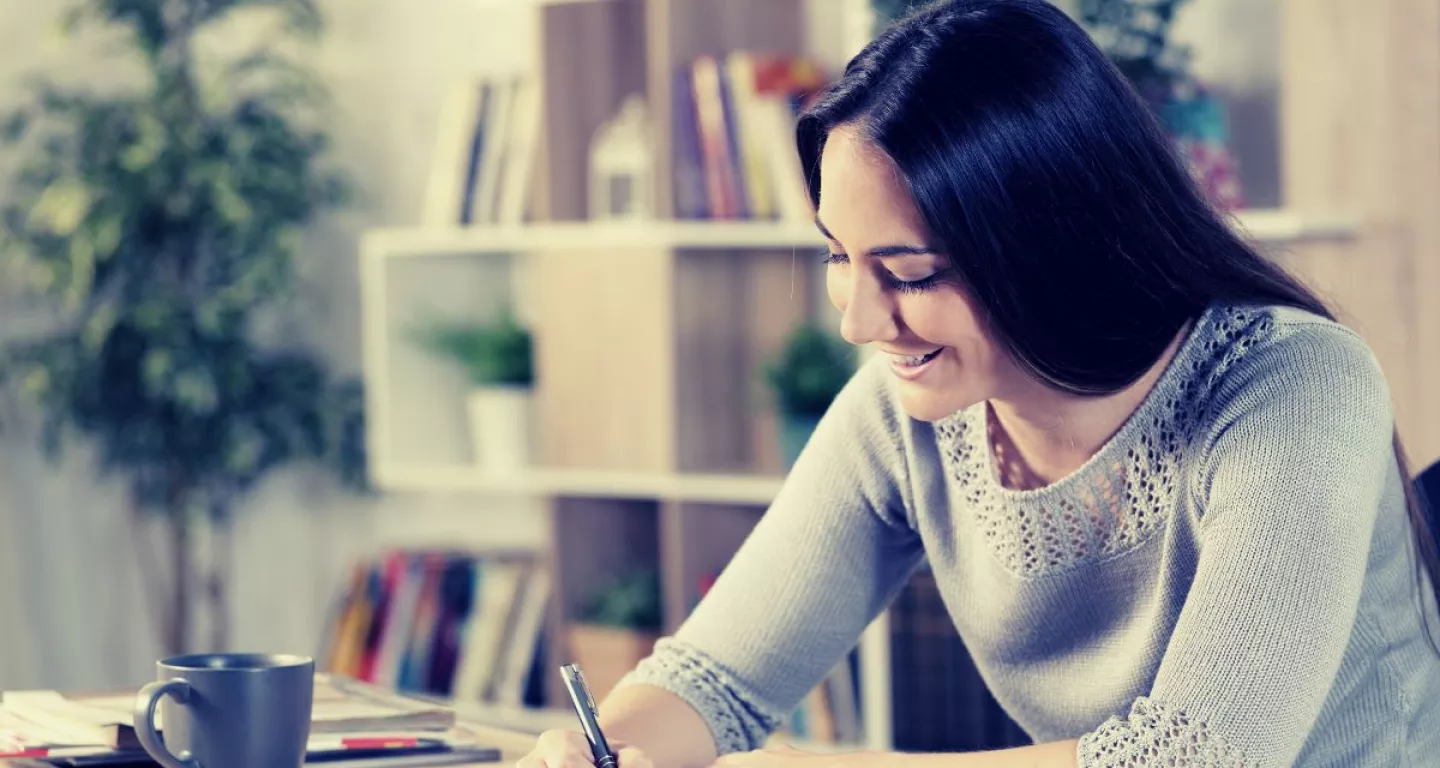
x,y
1427,484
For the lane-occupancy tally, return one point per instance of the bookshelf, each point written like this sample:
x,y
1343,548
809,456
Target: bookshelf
x,y
655,443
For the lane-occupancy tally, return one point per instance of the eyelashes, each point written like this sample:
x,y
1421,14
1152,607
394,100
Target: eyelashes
x,y
903,286
915,286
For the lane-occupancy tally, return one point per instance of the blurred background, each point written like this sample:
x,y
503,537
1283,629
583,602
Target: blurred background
x,y
446,340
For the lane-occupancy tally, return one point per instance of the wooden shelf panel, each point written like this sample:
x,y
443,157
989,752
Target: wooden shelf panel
x,y
1268,226
698,487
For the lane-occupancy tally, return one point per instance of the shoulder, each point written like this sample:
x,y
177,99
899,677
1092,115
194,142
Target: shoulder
x,y
870,401
865,436
1285,374
1283,354
868,418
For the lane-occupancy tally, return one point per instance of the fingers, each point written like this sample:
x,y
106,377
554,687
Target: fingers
x,y
630,757
568,749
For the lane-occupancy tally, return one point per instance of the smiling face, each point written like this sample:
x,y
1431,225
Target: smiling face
x,y
894,288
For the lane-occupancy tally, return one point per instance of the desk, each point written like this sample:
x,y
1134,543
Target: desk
x,y
513,745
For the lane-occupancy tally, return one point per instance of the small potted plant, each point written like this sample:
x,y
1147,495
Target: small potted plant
x,y
810,370
497,357
617,629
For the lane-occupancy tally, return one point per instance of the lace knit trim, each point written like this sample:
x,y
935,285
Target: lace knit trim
x,y
1127,490
1155,735
736,718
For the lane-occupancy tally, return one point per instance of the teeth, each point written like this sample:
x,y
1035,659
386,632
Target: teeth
x,y
912,360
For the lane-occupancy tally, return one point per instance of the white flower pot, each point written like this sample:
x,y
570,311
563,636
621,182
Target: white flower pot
x,y
501,426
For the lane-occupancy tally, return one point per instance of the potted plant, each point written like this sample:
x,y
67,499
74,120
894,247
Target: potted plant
x,y
498,359
808,373
156,228
617,629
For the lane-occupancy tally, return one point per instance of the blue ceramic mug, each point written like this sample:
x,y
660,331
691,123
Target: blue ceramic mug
x,y
228,710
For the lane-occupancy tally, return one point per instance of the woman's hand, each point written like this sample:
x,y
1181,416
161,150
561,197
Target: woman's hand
x,y
569,749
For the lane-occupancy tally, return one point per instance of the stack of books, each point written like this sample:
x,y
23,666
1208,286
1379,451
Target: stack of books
x,y
350,721
734,128
483,164
465,627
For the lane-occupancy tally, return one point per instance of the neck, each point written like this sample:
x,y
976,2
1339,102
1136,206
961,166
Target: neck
x,y
1044,435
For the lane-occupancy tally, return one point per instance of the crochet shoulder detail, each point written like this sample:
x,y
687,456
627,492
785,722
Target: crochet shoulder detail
x,y
1128,489
1155,735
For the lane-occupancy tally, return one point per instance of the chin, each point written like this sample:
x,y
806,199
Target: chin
x,y
923,405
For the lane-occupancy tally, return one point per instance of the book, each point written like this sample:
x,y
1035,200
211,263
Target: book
x,y
458,135
517,181
344,705
50,719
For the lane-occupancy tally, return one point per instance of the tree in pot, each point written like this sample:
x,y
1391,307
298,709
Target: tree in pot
x,y
807,374
150,227
617,629
498,360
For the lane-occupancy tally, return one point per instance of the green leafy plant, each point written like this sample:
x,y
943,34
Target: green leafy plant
x,y
810,371
153,226
1135,35
631,600
888,11
497,353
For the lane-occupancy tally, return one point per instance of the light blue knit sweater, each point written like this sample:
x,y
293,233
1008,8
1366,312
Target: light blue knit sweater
x,y
1230,580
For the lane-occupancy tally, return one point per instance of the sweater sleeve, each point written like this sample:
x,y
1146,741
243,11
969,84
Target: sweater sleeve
x,y
1292,471
829,553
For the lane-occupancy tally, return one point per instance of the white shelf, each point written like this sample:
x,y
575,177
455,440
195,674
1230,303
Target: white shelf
x,y
1264,225
461,241
508,5
1277,225
714,488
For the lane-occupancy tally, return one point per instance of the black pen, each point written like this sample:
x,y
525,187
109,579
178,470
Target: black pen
x,y
585,709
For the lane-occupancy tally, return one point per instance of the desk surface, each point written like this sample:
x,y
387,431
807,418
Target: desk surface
x,y
513,745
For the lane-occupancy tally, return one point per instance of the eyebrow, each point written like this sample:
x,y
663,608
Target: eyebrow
x,y
884,250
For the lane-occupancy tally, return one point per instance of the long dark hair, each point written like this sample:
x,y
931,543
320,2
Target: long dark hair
x,y
1052,189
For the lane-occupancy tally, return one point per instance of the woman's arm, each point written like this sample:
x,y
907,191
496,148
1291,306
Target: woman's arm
x,y
1057,754
827,556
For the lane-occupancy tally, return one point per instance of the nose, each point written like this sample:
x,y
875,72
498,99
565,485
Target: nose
x,y
867,311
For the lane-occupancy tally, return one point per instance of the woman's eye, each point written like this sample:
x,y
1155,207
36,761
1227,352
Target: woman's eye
x,y
915,286
890,278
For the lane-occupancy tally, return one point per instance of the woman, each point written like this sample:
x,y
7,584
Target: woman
x,y
1155,480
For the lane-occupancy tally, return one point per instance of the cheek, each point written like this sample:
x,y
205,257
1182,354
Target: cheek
x,y
944,317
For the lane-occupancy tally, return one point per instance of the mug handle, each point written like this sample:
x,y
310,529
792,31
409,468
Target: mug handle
x,y
145,703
